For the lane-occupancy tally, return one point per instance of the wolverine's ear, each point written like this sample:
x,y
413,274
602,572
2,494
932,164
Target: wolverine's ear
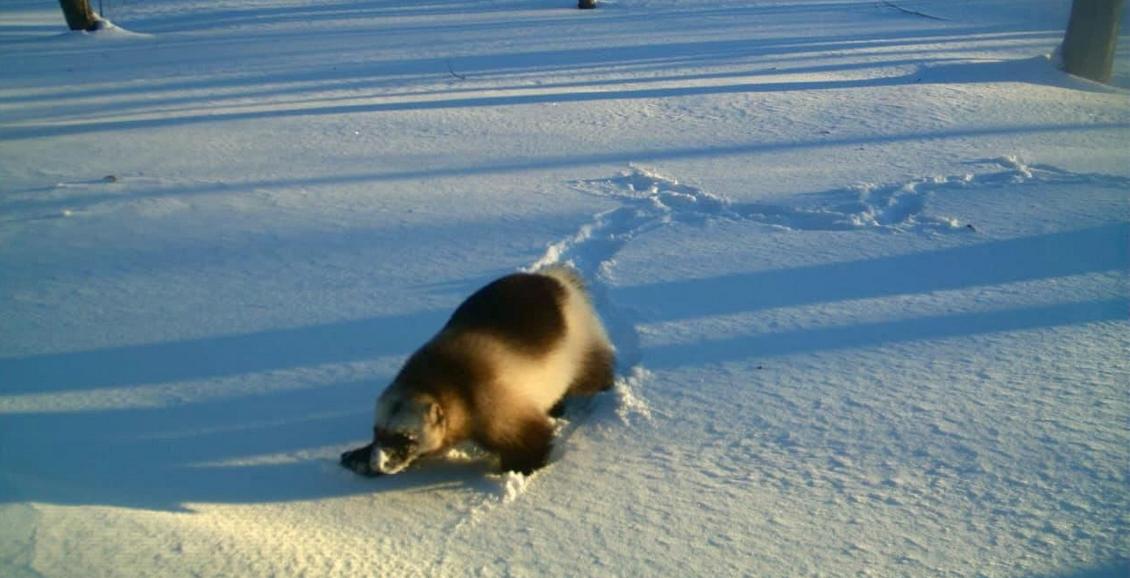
x,y
435,414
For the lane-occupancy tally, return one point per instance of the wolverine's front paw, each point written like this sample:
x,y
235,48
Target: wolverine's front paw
x,y
358,461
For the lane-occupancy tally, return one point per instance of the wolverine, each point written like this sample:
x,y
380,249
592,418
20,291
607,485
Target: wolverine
x,y
494,374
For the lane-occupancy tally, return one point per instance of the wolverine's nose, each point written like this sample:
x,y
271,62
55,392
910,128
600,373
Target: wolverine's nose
x,y
378,459
385,462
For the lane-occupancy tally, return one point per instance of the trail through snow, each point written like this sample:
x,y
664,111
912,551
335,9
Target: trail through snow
x,y
865,270
650,200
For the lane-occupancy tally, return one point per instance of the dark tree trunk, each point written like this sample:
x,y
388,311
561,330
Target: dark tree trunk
x,y
79,15
586,4
1092,32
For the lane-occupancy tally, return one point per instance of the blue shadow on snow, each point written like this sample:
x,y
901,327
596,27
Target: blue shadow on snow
x,y
163,458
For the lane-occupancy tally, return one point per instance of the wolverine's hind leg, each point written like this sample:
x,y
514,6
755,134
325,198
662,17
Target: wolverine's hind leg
x,y
526,446
597,372
558,408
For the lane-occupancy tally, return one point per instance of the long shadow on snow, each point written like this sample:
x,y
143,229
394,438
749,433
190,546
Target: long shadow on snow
x,y
163,458
167,457
371,74
327,11
310,91
1049,256
190,20
376,72
1103,248
998,262
218,356
871,334
273,349
583,159
949,74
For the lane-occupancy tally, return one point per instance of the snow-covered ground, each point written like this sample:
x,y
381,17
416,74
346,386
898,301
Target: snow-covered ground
x,y
865,263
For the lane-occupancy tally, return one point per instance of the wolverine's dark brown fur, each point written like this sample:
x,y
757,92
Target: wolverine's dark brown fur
x,y
522,309
596,373
514,329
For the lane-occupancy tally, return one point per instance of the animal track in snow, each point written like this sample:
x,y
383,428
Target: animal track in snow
x,y
898,207
649,200
652,199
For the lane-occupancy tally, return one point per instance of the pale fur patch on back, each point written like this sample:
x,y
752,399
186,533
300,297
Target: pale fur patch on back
x,y
567,275
539,382
579,312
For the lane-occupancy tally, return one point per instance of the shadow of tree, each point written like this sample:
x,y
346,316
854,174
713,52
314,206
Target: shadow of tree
x,y
872,334
218,356
1048,256
165,458
947,74
284,445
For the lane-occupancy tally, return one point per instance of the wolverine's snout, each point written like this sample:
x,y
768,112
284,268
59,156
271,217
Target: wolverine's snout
x,y
384,461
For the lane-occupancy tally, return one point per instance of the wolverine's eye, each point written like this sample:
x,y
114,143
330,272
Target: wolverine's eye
x,y
395,439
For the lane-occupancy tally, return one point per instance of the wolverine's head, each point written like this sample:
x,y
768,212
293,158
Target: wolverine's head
x,y
405,427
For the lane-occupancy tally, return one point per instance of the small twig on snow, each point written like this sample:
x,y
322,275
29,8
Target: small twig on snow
x,y
890,4
453,73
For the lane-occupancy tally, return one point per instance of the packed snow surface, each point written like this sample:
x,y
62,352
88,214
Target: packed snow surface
x,y
865,265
